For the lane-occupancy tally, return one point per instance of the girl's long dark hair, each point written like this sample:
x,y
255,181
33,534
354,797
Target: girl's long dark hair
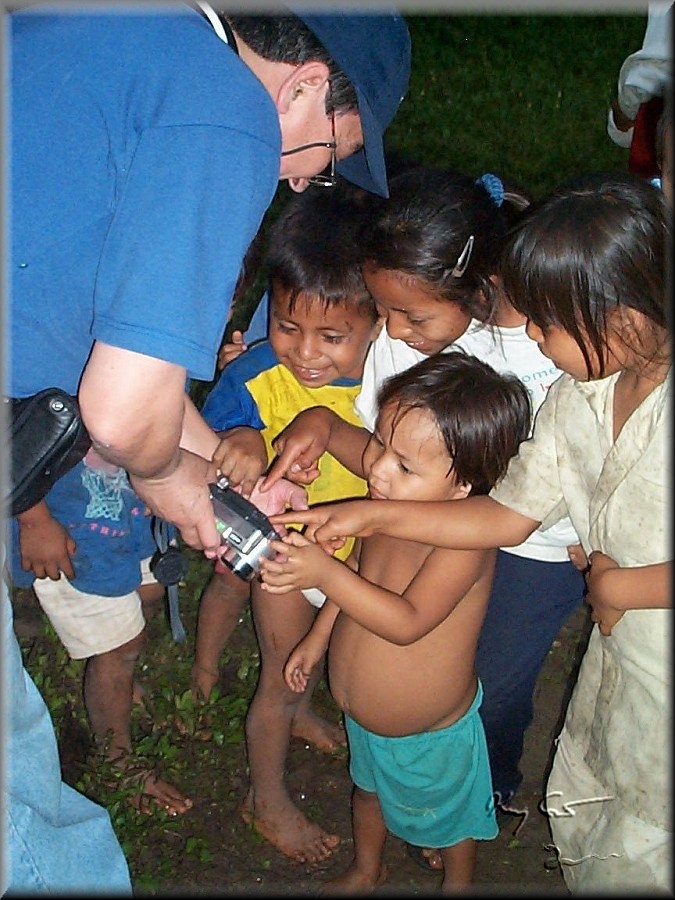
x,y
596,243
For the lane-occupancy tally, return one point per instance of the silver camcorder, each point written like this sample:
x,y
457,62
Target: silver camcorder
x,y
245,530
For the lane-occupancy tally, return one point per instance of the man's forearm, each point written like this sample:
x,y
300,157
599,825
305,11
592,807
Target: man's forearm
x,y
198,436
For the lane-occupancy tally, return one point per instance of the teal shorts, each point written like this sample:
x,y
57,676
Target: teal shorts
x,y
434,788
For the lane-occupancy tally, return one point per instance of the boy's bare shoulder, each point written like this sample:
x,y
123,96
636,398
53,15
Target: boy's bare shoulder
x,y
449,576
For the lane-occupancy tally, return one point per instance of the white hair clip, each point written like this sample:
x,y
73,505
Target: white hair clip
x,y
463,259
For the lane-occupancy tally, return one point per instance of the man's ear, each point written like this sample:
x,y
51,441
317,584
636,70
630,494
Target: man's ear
x,y
303,81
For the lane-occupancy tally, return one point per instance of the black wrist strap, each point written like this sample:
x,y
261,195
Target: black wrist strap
x,y
169,566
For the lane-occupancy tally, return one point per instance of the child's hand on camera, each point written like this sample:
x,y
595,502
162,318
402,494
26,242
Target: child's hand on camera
x,y
299,564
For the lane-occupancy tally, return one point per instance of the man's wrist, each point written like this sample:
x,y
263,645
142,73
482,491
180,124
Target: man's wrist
x,y
157,476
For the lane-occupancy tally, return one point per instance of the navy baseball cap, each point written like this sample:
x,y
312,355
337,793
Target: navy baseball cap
x,y
373,50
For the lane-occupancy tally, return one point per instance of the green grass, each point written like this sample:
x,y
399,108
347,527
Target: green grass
x,y
524,96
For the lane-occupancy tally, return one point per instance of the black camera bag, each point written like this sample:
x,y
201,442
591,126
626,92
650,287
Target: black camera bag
x,y
48,438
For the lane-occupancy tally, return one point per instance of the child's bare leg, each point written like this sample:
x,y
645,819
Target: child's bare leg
x,y
220,607
369,831
108,685
152,600
280,622
108,695
459,862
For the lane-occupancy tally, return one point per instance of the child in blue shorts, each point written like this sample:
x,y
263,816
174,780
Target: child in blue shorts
x,y
403,631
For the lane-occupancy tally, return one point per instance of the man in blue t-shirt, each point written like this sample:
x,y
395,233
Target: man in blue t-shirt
x,y
145,148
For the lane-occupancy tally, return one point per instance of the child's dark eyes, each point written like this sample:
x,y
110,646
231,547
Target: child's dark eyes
x,y
286,329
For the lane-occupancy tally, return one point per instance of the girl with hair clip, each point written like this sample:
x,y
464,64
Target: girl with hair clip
x,y
587,267
432,254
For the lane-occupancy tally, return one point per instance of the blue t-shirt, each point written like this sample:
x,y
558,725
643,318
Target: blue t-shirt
x,y
108,522
144,155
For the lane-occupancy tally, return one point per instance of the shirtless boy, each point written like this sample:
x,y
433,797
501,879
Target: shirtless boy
x,y
403,630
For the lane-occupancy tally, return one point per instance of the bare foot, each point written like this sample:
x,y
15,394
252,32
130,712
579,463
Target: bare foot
x,y
354,882
320,733
433,858
155,793
290,832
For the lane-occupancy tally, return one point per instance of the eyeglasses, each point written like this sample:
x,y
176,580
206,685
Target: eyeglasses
x,y
328,181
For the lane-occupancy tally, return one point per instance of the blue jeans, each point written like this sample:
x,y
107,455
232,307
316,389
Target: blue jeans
x,y
54,838
529,603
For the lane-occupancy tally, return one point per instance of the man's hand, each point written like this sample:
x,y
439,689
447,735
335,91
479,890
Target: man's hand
x,y
282,496
182,497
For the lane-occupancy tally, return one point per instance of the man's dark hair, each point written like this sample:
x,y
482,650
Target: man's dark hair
x,y
287,39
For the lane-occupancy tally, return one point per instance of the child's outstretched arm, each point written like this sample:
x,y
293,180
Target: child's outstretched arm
x,y
45,545
311,433
613,589
197,436
311,648
476,523
399,618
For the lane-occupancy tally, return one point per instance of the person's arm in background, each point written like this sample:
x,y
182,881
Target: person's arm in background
x,y
642,75
614,589
134,408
